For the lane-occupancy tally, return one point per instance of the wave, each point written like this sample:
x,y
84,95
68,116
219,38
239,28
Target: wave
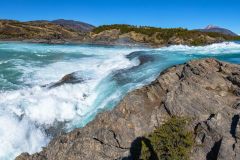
x,y
217,48
69,48
33,110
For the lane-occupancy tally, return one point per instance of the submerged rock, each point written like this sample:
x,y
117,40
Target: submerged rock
x,y
204,90
142,57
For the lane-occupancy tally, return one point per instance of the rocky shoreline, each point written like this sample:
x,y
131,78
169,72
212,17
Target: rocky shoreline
x,y
207,91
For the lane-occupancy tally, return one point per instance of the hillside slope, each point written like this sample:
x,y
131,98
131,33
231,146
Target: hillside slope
x,y
74,25
36,31
127,34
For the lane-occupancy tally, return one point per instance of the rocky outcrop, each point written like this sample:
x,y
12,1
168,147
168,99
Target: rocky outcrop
x,y
71,78
207,91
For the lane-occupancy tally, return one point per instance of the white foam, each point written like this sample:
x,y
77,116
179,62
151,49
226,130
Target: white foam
x,y
50,49
40,107
19,135
217,48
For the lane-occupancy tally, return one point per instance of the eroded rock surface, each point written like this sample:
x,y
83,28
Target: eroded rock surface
x,y
205,90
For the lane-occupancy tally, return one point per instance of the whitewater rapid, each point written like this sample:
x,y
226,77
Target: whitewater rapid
x,y
29,111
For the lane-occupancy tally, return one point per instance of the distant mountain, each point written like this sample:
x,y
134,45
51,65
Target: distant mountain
x,y
216,29
37,31
74,25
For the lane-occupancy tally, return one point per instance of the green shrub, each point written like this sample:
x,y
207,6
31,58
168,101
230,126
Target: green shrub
x,y
139,29
145,152
171,141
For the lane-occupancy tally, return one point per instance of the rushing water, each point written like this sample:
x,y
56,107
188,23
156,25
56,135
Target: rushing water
x,y
29,111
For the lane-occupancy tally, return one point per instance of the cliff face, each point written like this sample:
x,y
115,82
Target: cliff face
x,y
207,91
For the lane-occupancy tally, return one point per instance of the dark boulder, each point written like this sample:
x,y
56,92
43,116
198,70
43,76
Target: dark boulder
x,y
71,78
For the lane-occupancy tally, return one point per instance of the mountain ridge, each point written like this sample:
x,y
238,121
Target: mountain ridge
x,y
75,25
69,31
216,29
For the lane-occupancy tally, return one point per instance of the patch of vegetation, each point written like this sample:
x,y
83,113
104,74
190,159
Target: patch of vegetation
x,y
171,141
138,29
145,152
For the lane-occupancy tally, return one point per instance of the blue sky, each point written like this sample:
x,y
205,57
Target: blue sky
x,y
160,13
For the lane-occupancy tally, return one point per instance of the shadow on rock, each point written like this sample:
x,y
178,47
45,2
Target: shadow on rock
x,y
136,148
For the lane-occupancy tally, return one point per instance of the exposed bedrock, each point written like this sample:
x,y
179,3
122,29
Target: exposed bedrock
x,y
205,90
